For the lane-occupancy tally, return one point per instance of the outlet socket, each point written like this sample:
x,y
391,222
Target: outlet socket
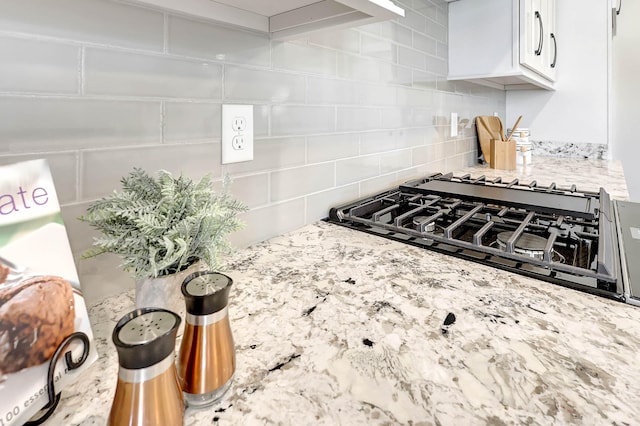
x,y
237,133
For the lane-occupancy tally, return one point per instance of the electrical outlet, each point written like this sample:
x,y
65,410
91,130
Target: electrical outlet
x,y
237,133
237,143
454,124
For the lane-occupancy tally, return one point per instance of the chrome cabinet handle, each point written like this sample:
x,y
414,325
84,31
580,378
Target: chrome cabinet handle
x,y
538,51
555,50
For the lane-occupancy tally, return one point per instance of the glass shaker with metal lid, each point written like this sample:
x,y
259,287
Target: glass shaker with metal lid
x,y
207,359
148,392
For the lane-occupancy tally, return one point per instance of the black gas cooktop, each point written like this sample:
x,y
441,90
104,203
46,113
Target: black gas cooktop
x,y
561,235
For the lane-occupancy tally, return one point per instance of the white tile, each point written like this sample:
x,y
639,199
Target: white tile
x,y
296,182
131,74
359,118
369,70
318,205
437,66
411,58
271,154
414,20
300,120
395,161
355,169
331,147
266,222
76,123
437,31
390,30
331,91
309,59
184,121
251,190
425,44
377,184
379,47
369,94
208,40
346,40
243,84
388,140
101,170
92,21
35,66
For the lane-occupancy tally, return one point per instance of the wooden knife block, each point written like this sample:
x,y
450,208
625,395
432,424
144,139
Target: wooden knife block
x,y
503,155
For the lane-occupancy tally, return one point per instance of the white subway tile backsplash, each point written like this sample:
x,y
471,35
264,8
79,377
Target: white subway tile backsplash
x,y
329,91
369,94
297,120
36,66
379,47
346,40
244,84
332,147
37,124
377,184
271,154
100,86
414,20
251,190
390,140
355,169
366,69
302,58
391,30
185,121
359,118
395,161
267,222
425,44
201,40
102,169
130,74
411,58
299,181
93,21
318,205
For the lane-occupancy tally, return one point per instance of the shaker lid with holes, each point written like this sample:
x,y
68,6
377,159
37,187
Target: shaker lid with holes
x,y
206,292
144,337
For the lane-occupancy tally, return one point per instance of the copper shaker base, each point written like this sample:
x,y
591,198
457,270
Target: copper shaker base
x,y
209,398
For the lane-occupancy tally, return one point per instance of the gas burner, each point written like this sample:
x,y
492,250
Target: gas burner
x,y
429,227
528,244
578,239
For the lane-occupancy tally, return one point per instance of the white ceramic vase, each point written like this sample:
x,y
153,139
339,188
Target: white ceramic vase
x,y
164,292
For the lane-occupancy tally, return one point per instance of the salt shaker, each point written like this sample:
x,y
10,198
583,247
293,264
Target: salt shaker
x,y
207,358
148,392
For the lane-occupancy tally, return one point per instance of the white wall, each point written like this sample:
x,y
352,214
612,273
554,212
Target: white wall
x,y
576,112
626,95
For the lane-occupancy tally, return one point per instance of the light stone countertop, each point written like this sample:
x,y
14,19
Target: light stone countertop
x,y
334,326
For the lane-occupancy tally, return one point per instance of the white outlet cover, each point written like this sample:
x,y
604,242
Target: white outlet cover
x,y
454,124
231,116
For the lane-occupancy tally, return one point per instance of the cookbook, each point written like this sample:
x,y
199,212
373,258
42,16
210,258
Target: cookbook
x,y
41,300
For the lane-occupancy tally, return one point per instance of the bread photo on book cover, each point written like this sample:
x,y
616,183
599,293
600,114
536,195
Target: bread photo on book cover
x,y
36,315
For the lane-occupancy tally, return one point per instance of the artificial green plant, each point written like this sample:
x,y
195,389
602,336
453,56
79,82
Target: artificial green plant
x,y
162,225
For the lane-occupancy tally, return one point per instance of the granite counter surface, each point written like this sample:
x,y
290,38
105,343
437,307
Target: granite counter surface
x,y
334,326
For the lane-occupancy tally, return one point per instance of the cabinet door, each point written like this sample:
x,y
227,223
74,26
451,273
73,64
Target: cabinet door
x,y
532,35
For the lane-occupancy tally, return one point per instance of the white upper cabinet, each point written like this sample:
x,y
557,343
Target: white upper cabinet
x,y
284,19
507,44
